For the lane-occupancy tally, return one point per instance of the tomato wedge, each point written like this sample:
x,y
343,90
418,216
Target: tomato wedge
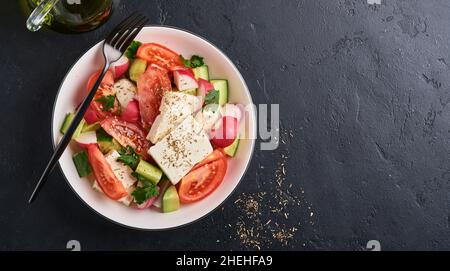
x,y
215,155
104,175
151,87
108,79
95,111
127,134
159,55
203,180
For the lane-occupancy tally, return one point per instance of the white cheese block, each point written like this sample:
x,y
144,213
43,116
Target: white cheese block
x,y
175,107
125,200
181,149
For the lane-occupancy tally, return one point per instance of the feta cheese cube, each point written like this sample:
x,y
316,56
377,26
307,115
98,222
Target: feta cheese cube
x,y
181,149
175,107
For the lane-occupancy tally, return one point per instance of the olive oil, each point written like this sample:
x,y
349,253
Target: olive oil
x,y
75,16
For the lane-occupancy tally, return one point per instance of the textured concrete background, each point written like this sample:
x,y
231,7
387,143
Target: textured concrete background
x,y
364,153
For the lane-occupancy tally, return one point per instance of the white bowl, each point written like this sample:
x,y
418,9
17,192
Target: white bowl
x,y
71,93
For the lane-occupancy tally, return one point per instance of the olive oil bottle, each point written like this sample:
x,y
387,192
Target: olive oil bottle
x,y
68,16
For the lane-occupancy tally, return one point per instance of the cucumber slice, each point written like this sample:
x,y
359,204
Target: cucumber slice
x,y
201,72
107,146
221,85
103,136
149,171
171,201
90,127
77,132
137,68
82,164
67,121
163,185
231,150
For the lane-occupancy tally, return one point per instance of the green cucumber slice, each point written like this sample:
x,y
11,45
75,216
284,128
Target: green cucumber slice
x,y
82,165
221,85
201,72
149,171
232,149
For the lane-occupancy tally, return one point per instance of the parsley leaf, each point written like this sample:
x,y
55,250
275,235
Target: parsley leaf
x,y
129,157
196,61
186,62
212,97
107,102
132,49
146,191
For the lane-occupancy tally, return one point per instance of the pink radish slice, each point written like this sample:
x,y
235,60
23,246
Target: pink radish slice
x,y
120,67
184,79
131,112
147,203
233,110
86,139
224,134
204,87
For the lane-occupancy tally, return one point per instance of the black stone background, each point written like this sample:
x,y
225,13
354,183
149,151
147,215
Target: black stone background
x,y
364,90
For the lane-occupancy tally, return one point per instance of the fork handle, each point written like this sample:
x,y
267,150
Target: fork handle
x,y
69,133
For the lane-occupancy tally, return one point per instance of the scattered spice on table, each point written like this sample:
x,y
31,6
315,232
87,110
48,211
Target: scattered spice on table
x,y
265,216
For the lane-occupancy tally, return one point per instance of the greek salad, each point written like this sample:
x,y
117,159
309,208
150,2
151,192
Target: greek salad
x,y
159,130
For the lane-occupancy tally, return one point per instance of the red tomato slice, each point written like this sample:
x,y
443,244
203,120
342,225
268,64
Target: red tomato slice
x,y
108,79
95,112
151,87
202,181
160,55
127,134
104,175
226,133
215,155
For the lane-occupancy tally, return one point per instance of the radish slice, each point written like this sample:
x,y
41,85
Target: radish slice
x,y
149,202
184,79
131,112
164,184
146,204
86,139
125,91
204,87
232,110
120,67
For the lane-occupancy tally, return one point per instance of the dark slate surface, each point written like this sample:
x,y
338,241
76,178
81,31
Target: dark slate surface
x,y
364,95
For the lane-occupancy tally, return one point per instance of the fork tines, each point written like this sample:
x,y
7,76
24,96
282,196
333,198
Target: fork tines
x,y
123,34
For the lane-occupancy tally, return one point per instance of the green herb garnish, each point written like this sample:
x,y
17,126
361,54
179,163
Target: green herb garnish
x,y
107,102
146,191
186,62
194,62
132,49
129,157
212,97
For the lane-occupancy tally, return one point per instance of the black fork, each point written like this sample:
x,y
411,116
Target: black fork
x,y
114,47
